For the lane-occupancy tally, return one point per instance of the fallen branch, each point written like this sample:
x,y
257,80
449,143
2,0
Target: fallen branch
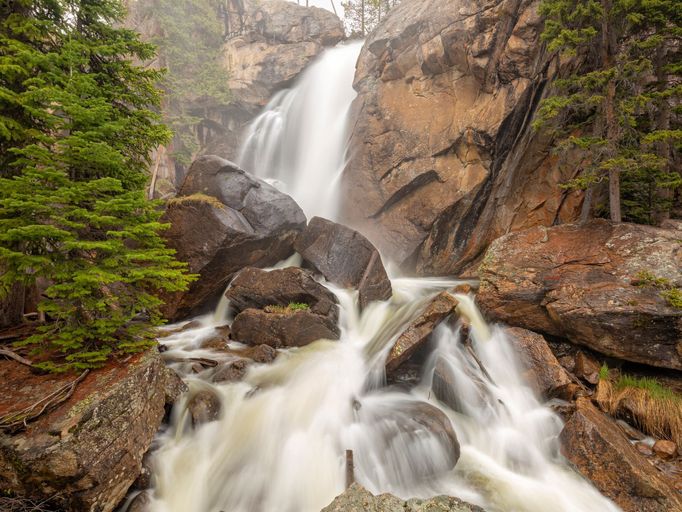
x,y
13,355
15,421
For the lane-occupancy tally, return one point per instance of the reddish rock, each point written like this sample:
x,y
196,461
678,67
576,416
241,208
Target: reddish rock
x,y
580,283
419,331
665,449
346,258
586,368
599,450
539,365
238,221
644,449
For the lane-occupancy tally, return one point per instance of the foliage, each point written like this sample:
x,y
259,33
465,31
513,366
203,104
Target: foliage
x,y
196,198
669,292
190,38
649,384
290,308
75,134
617,98
362,16
604,372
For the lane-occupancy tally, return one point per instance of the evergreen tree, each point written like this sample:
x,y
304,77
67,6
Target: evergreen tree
x,y
76,130
362,16
611,97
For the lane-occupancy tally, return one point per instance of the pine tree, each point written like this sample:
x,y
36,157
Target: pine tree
x,y
609,95
362,16
76,129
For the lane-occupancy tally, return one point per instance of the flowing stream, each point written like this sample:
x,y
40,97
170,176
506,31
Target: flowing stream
x,y
281,439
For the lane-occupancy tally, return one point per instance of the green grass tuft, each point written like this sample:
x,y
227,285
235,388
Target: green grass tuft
x,y
604,372
649,384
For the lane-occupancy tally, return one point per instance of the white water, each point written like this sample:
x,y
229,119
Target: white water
x,y
298,143
280,442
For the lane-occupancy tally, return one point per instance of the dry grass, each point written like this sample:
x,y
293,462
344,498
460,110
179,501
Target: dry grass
x,y
196,198
654,409
11,504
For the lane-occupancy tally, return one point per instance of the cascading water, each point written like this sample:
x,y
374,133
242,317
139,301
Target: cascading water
x,y
280,441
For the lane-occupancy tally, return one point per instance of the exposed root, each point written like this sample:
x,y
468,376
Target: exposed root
x,y
13,355
14,504
16,421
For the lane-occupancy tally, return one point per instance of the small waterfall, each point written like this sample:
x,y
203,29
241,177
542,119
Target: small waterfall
x,y
280,441
299,142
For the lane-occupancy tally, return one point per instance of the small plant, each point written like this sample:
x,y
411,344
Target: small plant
x,y
298,306
290,308
674,297
196,198
671,294
604,372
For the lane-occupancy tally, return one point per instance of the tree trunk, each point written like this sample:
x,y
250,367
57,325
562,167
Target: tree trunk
x,y
362,18
663,195
12,307
612,128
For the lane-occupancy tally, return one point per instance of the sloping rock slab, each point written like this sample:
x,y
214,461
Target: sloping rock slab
x,y
344,257
254,292
358,499
581,283
419,331
596,446
249,224
89,451
540,367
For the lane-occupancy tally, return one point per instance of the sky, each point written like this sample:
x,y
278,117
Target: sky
x,y
326,4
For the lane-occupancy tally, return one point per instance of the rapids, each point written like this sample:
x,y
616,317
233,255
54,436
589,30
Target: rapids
x,y
280,442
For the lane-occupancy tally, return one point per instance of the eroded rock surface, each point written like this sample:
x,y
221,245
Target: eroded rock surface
x,y
584,283
344,257
223,221
443,157
358,499
597,447
89,451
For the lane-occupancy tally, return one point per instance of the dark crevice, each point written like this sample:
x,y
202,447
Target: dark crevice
x,y
417,183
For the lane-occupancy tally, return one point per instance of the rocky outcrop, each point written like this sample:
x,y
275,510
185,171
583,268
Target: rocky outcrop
x,y
223,221
589,284
270,43
419,330
282,308
358,499
87,452
346,258
598,449
443,157
539,366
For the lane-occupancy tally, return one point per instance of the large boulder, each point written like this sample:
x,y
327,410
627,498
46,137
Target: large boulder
x,y
418,332
224,220
443,156
282,308
346,258
539,366
85,454
358,499
585,283
596,446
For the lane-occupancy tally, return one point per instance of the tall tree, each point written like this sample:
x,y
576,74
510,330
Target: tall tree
x,y
608,91
362,16
76,129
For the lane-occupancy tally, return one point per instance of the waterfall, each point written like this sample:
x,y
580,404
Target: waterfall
x,y
281,438
298,143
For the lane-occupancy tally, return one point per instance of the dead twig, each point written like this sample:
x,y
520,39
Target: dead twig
x,y
15,421
13,355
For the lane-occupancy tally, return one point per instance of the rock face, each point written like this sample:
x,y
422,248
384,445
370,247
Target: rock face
x,y
90,449
596,446
539,366
582,283
282,308
419,331
358,499
270,44
346,258
443,156
222,221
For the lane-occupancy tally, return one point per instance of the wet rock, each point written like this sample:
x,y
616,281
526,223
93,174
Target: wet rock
x,y
223,221
599,450
218,343
231,372
140,503
144,481
88,451
358,499
204,407
286,329
346,258
644,449
630,431
282,308
445,388
260,353
540,367
419,331
443,156
665,449
586,368
580,283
